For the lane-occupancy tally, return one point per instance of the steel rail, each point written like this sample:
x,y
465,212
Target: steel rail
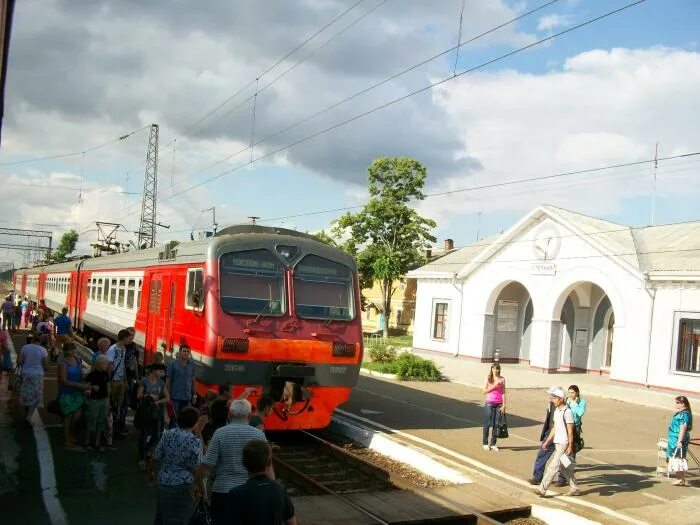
x,y
403,483
310,482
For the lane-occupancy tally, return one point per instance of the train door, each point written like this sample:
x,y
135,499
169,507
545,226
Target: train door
x,y
160,314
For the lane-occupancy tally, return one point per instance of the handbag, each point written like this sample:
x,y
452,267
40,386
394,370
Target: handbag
x,y
677,463
502,427
202,514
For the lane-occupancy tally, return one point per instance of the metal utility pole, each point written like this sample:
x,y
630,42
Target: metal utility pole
x,y
213,217
147,228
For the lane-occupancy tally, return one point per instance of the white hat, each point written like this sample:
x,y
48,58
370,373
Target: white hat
x,y
557,391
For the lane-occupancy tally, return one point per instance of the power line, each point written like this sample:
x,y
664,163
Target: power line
x,y
253,97
399,99
369,88
498,184
269,84
267,70
406,96
75,153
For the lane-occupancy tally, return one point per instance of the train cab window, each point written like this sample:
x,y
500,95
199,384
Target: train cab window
x,y
323,289
252,283
194,298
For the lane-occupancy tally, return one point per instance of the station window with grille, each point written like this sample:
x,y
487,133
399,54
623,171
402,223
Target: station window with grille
x,y
688,355
440,321
194,294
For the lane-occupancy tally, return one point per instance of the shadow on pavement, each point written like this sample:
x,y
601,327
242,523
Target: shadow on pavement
x,y
403,407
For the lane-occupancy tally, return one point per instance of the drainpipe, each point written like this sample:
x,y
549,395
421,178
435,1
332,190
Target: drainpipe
x,y
460,289
652,295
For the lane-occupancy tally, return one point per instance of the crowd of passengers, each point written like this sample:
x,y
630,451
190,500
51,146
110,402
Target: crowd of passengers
x,y
210,450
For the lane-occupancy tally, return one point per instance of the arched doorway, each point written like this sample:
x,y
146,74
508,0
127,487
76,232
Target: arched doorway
x,y
587,324
508,326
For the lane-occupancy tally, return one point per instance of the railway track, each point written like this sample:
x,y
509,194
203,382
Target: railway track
x,y
310,465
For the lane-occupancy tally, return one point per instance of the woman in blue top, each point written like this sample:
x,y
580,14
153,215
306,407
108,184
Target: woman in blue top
x,y
679,434
71,392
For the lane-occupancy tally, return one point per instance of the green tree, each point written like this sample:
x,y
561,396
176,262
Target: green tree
x,y
66,245
325,238
387,236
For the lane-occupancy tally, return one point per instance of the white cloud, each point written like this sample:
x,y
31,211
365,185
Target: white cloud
x,y
602,108
552,22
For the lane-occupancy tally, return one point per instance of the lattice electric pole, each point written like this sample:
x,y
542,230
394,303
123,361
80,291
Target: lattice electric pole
x,y
147,229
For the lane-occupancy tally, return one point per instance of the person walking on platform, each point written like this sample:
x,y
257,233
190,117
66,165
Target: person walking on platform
x,y
562,435
33,359
179,452
71,393
679,434
494,406
180,379
544,453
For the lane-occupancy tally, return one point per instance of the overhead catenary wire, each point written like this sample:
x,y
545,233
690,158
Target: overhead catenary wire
x,y
499,184
406,96
268,69
369,88
271,83
74,153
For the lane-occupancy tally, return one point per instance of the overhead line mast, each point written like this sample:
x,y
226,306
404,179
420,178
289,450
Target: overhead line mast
x,y
147,228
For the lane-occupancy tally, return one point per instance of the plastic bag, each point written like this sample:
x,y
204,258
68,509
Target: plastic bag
x,y
677,463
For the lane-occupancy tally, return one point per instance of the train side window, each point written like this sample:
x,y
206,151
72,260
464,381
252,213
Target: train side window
x,y
113,292
89,287
122,292
194,299
98,296
130,291
139,284
105,297
159,285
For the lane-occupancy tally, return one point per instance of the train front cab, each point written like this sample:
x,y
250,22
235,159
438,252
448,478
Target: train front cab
x,y
283,318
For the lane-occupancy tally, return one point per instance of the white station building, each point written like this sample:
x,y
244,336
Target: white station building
x,y
564,291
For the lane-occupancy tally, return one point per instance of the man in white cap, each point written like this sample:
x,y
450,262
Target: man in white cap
x,y
543,454
225,455
562,435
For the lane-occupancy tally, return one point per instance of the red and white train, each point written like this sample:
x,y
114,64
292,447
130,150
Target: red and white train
x,y
264,307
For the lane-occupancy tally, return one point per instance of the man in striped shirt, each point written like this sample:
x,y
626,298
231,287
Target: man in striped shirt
x,y
225,455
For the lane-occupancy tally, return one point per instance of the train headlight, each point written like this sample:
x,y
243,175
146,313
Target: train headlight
x,y
234,345
344,349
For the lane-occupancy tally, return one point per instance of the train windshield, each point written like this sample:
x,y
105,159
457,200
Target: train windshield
x,y
323,289
251,282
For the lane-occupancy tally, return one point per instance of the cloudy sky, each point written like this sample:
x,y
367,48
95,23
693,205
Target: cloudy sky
x,y
86,72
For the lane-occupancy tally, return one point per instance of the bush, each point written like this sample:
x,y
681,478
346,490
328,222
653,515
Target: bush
x,y
382,354
411,366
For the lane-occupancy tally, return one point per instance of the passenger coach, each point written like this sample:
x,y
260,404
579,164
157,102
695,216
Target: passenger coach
x,y
265,307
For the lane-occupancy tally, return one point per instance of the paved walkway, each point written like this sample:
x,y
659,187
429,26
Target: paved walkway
x,y
520,376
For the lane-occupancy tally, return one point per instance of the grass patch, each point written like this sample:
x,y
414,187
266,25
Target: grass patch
x,y
406,367
399,340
